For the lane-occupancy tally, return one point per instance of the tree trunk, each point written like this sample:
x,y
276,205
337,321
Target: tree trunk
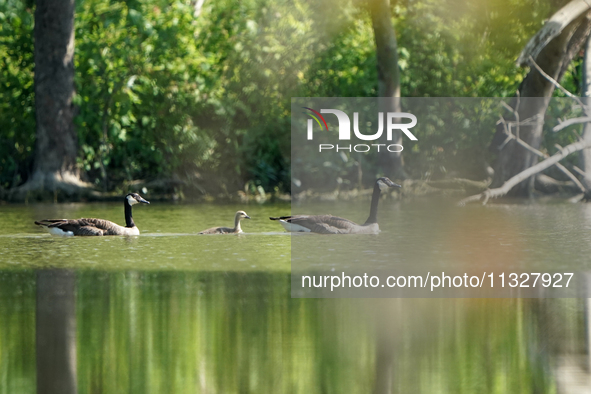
x,y
388,322
56,144
554,60
56,332
388,78
585,154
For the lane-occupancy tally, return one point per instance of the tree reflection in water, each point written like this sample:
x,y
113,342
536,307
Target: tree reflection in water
x,y
187,332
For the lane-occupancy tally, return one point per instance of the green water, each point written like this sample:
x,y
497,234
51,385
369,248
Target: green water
x,y
168,241
437,236
174,312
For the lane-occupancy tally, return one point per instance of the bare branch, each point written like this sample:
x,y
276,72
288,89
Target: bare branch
x,y
537,152
507,106
552,28
570,122
571,177
554,82
523,175
581,172
562,168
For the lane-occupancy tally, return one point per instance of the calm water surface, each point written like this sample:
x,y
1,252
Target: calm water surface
x,y
436,236
171,311
168,241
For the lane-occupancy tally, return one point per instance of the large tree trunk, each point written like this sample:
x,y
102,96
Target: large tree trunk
x,y
56,145
554,59
388,77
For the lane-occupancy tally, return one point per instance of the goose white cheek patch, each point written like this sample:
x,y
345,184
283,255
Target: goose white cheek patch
x,y
131,200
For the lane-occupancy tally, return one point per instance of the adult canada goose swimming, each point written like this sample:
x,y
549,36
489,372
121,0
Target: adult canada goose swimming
x,y
69,227
227,230
328,224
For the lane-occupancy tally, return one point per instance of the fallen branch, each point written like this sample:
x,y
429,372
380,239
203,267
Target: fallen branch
x,y
562,168
530,148
523,175
571,176
548,185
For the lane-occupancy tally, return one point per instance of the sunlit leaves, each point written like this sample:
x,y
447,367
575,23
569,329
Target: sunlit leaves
x,y
162,92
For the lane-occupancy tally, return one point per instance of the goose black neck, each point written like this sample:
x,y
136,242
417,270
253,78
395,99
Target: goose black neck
x,y
237,223
373,212
128,218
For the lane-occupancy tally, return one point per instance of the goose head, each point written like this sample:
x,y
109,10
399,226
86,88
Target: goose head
x,y
134,198
242,215
385,183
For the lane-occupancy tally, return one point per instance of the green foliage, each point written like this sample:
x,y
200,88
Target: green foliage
x,y
456,48
165,92
141,83
17,112
462,48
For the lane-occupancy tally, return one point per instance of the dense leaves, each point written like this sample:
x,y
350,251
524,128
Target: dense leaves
x,y
202,96
17,116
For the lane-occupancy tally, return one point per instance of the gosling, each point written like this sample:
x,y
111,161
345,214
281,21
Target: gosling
x,y
228,230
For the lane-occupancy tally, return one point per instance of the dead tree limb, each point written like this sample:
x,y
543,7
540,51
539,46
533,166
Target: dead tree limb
x,y
510,136
562,168
553,49
570,122
580,172
552,29
533,170
553,81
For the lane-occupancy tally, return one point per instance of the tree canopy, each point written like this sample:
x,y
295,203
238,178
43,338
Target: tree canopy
x,y
165,91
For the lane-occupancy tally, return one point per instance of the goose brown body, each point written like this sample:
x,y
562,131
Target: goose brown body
x,y
228,230
325,224
328,224
95,227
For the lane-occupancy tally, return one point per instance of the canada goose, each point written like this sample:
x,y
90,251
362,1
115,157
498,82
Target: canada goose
x,y
328,224
69,227
227,230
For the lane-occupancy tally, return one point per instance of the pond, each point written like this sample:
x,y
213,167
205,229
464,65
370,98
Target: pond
x,y
171,311
435,236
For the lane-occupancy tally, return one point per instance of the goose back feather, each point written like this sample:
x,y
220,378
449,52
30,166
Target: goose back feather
x,y
321,224
328,224
95,227
228,230
86,226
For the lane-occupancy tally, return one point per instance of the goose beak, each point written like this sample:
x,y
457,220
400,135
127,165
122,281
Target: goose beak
x,y
247,217
390,183
144,201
